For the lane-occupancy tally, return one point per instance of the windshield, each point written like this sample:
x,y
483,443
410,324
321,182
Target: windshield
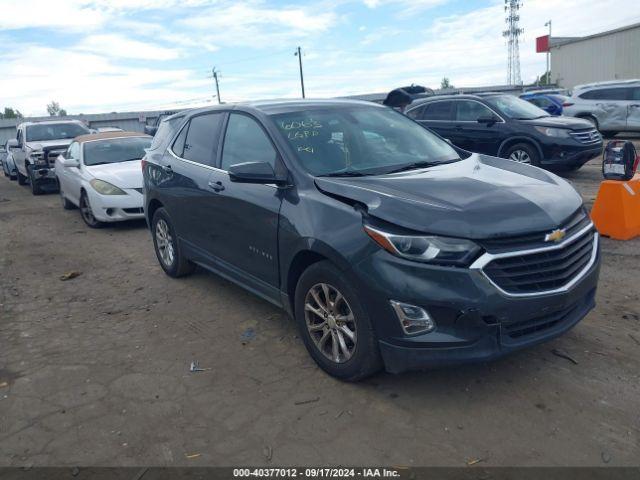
x,y
115,150
54,131
515,107
360,141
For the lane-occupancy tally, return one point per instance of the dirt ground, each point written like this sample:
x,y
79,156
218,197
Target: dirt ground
x,y
95,370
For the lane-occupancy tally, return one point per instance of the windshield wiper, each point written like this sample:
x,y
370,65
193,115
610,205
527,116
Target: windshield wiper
x,y
346,173
414,166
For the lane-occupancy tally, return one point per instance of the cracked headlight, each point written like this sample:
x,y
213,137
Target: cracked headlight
x,y
105,188
428,248
553,132
38,158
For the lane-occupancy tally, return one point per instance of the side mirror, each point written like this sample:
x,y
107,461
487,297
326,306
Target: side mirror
x,y
12,143
253,172
69,162
487,120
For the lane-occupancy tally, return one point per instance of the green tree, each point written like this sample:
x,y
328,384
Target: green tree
x,y
445,83
62,112
53,108
11,113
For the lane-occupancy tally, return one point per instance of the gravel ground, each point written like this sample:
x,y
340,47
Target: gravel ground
x,y
95,370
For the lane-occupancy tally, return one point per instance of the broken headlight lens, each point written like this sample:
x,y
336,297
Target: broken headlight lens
x,y
38,158
428,248
105,188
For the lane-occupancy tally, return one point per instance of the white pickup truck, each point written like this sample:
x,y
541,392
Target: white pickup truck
x,y
36,146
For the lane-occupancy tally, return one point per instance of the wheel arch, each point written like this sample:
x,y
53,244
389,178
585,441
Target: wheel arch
x,y
153,206
509,142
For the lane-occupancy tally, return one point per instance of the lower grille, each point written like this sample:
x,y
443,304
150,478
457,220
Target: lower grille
x,y
545,270
537,325
132,210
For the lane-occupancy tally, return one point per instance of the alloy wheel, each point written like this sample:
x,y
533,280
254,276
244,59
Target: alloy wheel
x,y
164,243
520,156
86,212
330,322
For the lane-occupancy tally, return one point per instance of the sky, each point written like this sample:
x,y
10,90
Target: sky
x,y
96,56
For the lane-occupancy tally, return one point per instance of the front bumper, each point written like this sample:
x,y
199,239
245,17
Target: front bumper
x,y
474,320
116,208
570,155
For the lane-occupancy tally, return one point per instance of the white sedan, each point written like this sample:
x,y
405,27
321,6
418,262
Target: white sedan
x,y
101,174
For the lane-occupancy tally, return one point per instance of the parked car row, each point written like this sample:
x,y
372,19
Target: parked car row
x,y
99,173
388,245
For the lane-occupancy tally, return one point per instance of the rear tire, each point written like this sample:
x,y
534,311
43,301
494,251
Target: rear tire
x,y
345,349
523,153
167,247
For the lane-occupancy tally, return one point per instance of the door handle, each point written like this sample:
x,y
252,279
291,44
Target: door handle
x,y
167,169
216,186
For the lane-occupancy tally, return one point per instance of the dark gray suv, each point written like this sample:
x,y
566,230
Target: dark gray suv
x,y
385,243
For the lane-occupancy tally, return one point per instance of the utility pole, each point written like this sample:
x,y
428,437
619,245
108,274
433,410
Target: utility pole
x,y
299,55
548,24
215,77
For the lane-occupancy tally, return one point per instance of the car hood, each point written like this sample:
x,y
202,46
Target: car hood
x,y
560,122
63,142
123,175
479,197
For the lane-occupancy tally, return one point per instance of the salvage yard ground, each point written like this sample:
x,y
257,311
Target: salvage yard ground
x,y
94,370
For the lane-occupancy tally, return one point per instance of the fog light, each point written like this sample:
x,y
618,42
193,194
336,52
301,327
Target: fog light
x,y
413,319
109,211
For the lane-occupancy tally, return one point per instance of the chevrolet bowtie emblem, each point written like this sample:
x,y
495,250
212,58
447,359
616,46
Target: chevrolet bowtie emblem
x,y
556,235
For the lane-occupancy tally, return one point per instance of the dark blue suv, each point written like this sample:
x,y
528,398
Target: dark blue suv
x,y
506,126
387,245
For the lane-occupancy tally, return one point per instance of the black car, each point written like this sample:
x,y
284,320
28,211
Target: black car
x,y
506,126
385,244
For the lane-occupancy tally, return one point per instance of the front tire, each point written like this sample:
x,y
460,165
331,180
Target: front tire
x,y
35,188
87,213
167,247
334,326
523,153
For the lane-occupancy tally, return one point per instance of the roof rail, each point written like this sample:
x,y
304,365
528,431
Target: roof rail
x,y
606,83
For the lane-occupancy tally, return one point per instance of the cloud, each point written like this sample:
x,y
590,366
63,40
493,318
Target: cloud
x,y
77,14
119,46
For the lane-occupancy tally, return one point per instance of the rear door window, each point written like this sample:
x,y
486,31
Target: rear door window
x,y
202,138
438,111
470,111
246,141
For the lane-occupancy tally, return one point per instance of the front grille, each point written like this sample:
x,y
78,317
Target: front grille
x,y
587,136
544,271
52,154
576,222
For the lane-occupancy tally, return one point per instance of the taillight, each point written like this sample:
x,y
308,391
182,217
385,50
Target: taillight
x,y
567,104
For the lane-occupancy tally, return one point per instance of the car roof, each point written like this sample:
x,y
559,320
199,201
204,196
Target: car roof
x,y
276,106
107,135
49,122
461,96
610,83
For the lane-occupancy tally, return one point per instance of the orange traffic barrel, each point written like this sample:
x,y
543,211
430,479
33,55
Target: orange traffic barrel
x,y
616,211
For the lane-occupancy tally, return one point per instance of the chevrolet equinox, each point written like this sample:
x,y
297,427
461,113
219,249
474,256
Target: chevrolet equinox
x,y
388,246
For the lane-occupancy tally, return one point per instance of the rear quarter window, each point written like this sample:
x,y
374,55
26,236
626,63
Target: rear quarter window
x,y
166,131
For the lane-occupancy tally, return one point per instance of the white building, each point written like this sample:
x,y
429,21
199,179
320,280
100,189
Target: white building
x,y
612,55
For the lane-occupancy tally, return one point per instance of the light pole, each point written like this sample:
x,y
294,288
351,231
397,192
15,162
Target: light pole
x,y
548,24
